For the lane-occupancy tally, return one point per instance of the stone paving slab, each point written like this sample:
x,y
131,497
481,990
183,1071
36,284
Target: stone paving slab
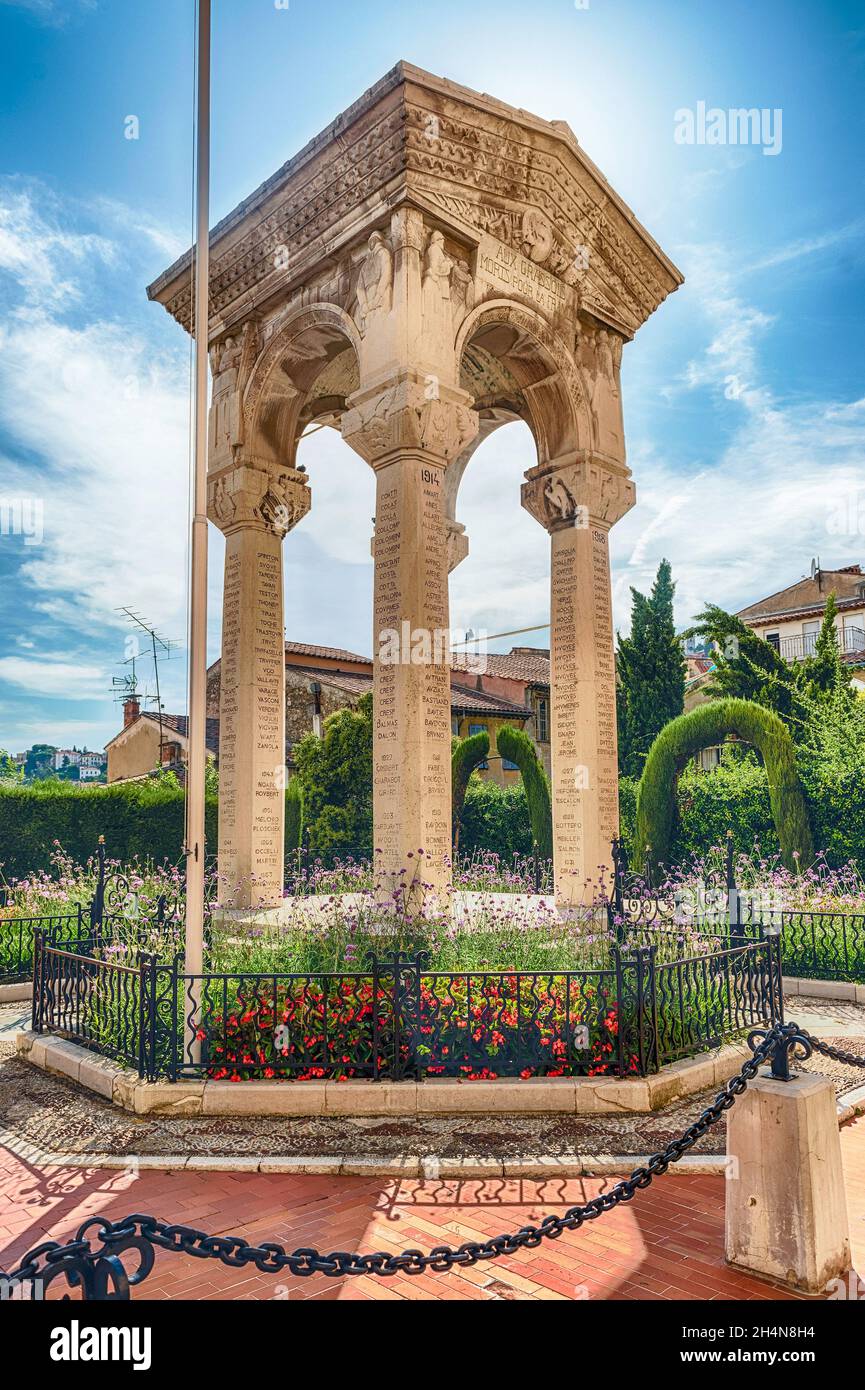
x,y
53,1115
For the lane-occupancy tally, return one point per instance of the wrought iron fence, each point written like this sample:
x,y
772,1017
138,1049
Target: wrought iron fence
x,y
17,937
815,944
398,1019
83,993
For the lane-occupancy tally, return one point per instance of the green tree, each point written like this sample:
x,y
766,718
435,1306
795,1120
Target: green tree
x,y
747,667
334,776
651,672
517,747
293,814
10,771
39,762
466,755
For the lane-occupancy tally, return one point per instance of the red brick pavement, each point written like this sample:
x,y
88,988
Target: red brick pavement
x,y
666,1244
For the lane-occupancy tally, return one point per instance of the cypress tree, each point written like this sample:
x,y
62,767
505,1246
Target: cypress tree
x,y
651,672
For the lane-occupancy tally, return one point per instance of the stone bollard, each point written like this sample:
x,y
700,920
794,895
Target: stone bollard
x,y
786,1216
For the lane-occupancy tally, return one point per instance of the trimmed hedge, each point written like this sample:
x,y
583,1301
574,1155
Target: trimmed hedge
x,y
137,819
495,818
517,747
467,754
704,726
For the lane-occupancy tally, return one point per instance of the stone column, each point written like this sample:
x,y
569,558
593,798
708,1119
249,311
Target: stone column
x,y
409,438
255,503
578,502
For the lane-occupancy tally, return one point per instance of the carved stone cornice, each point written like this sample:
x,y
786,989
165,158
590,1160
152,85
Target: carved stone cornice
x,y
480,166
582,492
258,494
410,412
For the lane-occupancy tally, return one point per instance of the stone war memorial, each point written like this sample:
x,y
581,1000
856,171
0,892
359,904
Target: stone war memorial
x,y
430,267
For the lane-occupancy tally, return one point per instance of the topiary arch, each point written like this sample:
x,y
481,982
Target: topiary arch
x,y
466,755
517,747
704,726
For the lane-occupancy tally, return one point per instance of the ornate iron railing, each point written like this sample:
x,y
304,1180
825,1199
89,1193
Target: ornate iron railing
x,y
815,944
84,993
398,1019
17,938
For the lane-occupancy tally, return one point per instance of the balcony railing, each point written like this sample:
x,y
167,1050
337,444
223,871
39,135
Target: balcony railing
x,y
797,648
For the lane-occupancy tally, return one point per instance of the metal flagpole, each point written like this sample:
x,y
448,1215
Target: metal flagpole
x,y
198,565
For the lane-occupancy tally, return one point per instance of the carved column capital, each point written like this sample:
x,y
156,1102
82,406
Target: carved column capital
x,y
457,543
258,494
582,492
413,413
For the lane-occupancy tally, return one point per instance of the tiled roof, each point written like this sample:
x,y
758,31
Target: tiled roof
x,y
353,682
530,664
179,724
467,701
809,594
331,653
464,699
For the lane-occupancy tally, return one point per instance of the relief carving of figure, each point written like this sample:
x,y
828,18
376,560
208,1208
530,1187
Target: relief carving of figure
x,y
437,267
605,352
225,407
462,291
538,238
224,506
561,502
375,281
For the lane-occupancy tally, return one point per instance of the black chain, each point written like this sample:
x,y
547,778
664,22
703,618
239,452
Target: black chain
x,y
101,1274
850,1059
102,1269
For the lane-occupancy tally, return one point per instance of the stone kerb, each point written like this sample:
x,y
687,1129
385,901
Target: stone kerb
x,y
440,1096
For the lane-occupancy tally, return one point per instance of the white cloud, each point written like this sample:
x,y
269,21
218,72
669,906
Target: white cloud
x,y
66,680
808,246
39,253
104,414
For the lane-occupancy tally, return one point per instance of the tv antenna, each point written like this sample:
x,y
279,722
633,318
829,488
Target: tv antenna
x,y
158,645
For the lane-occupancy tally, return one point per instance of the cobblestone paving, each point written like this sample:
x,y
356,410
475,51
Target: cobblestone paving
x,y
58,1117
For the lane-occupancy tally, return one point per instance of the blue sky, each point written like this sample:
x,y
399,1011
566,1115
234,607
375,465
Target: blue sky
x,y
744,397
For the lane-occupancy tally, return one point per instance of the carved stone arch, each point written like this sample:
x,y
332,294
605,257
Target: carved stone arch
x,y
536,360
305,372
518,367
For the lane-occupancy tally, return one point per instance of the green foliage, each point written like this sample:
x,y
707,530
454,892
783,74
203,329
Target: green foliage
x,y
704,726
627,813
517,747
293,814
749,668
140,819
495,818
10,771
467,754
831,758
734,796
334,775
651,672
39,762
